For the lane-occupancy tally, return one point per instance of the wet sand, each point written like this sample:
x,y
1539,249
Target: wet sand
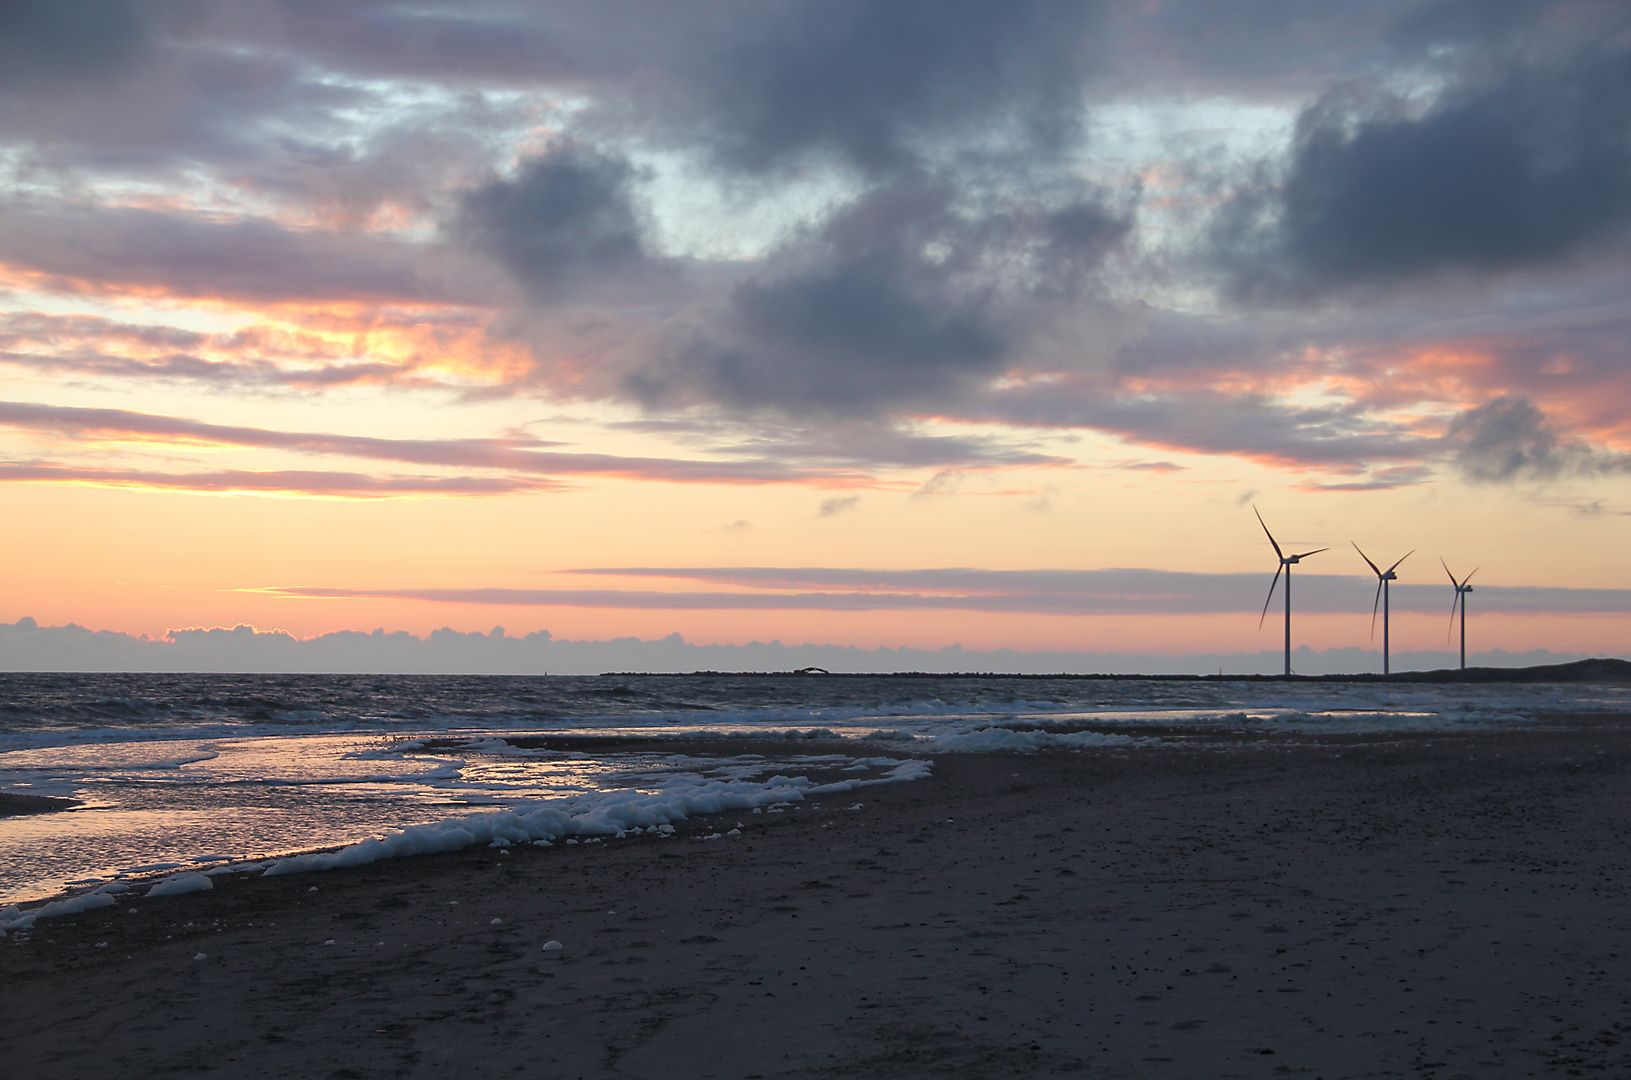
x,y
1425,906
12,804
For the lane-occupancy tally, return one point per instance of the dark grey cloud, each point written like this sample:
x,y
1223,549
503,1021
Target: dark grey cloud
x,y
901,297
1209,421
1288,51
1280,48
764,84
503,43
566,220
1483,23
81,248
1522,168
876,83
228,110
871,81
876,316
1510,438
48,43
1480,31
582,46
871,84
868,81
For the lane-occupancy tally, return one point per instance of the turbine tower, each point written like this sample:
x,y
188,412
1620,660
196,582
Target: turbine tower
x,y
1286,563
1461,591
1382,579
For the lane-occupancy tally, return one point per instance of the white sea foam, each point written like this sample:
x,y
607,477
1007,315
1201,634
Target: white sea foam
x,y
182,884
13,919
603,814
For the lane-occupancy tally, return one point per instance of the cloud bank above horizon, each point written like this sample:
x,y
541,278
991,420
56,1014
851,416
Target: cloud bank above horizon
x,y
25,646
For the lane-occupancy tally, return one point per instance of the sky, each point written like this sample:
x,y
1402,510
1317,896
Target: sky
x,y
906,323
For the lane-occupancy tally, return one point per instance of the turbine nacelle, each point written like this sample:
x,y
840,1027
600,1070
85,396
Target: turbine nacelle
x,y
1382,578
1460,586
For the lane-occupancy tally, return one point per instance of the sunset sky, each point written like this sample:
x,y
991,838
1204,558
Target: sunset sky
x,y
871,322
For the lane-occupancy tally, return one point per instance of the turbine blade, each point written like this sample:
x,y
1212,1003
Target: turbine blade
x,y
1469,577
1278,553
1368,563
1402,558
1446,566
1376,606
1306,554
1453,604
1270,599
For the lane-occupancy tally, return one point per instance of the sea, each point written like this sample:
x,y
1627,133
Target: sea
x,y
195,775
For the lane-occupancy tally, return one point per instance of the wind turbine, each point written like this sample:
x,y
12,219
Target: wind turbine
x,y
1461,591
1382,579
1286,563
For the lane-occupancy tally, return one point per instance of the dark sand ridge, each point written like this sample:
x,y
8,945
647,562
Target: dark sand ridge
x,y
1417,906
14,805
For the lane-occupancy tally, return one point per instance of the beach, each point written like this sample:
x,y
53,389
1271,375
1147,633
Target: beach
x,y
1416,904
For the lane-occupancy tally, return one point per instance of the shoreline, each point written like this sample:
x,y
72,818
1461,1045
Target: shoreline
x,y
1165,738
1209,738
1442,904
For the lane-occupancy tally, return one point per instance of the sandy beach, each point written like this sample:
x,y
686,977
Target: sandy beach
x,y
1425,905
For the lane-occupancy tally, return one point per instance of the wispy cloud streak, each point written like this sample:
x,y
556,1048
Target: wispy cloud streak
x,y
1037,592
281,482
512,454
